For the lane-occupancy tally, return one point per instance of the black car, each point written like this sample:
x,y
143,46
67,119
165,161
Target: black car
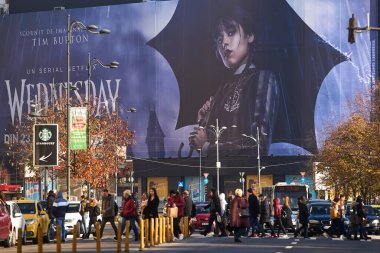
x,y
319,219
372,221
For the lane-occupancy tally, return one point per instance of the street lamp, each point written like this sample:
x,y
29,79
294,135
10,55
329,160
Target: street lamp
x,y
217,132
257,140
200,174
91,29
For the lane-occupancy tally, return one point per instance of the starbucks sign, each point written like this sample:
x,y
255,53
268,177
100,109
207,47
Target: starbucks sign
x,y
45,145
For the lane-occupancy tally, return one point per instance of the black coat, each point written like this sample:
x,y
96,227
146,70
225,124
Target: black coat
x,y
303,213
288,221
151,210
214,205
265,211
254,205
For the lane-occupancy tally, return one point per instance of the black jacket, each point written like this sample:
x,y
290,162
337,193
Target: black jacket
x,y
265,211
151,210
254,205
214,205
288,221
303,213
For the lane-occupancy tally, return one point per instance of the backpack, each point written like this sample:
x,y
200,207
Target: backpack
x,y
193,210
116,208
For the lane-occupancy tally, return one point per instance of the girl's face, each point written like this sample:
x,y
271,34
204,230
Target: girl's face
x,y
233,44
151,192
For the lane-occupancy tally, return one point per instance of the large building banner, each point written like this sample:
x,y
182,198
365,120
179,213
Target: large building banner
x,y
275,68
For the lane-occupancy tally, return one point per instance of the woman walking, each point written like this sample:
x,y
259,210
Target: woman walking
x,y
286,215
239,215
277,217
93,212
151,209
265,214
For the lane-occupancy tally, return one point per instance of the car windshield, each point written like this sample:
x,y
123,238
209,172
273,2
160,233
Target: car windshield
x,y
27,208
320,209
370,211
73,208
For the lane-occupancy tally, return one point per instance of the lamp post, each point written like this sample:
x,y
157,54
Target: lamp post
x,y
257,140
200,174
242,179
91,29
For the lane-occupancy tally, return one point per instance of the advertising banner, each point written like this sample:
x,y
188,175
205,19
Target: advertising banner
x,y
283,67
45,145
78,128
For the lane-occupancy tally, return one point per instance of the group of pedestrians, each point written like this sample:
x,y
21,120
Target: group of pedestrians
x,y
256,213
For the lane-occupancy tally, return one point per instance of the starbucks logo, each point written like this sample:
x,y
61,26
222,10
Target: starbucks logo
x,y
44,134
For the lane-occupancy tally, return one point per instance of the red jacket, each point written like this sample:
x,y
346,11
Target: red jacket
x,y
129,207
179,202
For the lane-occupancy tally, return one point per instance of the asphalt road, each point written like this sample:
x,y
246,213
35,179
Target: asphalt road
x,y
198,243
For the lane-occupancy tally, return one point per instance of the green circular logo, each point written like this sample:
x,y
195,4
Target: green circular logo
x,y
44,134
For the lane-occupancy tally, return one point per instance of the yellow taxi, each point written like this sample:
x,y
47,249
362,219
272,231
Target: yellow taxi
x,y
35,216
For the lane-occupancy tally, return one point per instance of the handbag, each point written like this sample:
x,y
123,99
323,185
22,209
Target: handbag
x,y
218,218
243,212
173,212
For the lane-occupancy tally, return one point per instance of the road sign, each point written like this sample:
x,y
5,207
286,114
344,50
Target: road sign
x,y
180,184
45,145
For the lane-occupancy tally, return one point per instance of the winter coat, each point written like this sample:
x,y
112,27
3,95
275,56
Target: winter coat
x,y
354,218
276,208
303,213
361,213
50,202
179,203
223,204
60,206
288,221
214,205
235,220
128,208
108,206
83,207
151,210
93,212
265,211
188,206
254,205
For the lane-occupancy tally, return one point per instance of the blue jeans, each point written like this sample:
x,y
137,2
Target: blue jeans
x,y
61,222
83,224
255,225
132,225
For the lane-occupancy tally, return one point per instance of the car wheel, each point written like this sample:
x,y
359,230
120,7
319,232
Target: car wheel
x,y
47,238
8,241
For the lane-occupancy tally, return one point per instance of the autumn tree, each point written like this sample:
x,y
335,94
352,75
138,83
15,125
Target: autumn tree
x,y
95,165
349,158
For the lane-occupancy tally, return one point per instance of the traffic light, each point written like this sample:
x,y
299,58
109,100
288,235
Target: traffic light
x,y
351,29
205,180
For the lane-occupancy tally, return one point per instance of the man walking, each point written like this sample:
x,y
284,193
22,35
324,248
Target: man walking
x,y
254,212
108,212
60,206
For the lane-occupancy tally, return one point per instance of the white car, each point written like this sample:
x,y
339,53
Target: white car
x,y
18,221
73,217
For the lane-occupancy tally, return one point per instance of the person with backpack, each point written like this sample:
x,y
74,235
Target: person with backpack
x,y
109,210
129,213
286,215
93,213
278,217
60,207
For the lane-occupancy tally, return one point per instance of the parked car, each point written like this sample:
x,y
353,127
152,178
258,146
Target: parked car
x,y
377,209
35,217
5,225
73,217
18,221
372,222
202,216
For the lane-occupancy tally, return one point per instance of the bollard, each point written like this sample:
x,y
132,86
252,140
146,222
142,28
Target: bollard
x,y
164,229
75,231
142,232
151,232
58,238
167,229
97,227
171,229
186,226
156,231
119,236
160,241
146,221
19,240
181,227
128,223
39,234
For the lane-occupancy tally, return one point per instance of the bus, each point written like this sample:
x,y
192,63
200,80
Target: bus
x,y
293,191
